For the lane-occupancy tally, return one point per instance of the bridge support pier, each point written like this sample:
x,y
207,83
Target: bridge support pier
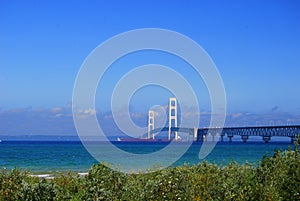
x,y
245,138
205,137
230,136
213,137
195,134
266,138
222,137
201,137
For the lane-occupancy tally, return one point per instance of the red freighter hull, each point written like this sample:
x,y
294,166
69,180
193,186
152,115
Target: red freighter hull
x,y
140,140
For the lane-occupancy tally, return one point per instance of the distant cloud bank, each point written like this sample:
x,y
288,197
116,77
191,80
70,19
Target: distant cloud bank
x,y
58,121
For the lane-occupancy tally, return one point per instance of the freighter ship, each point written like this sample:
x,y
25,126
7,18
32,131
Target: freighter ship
x,y
141,140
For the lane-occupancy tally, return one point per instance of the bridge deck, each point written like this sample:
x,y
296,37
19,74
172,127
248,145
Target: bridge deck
x,y
266,132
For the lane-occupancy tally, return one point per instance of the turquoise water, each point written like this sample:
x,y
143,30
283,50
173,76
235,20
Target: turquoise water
x,y
40,156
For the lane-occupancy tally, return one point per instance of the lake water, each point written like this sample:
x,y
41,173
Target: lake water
x,y
45,156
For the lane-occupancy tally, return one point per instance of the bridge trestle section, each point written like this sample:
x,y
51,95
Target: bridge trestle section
x,y
266,132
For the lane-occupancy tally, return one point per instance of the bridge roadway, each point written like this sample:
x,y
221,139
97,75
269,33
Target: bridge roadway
x,y
266,132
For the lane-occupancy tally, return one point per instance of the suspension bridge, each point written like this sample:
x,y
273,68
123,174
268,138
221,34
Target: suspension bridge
x,y
202,134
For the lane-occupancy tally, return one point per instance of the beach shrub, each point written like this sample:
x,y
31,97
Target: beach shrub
x,y
103,183
68,186
278,177
204,180
11,183
42,190
168,184
238,182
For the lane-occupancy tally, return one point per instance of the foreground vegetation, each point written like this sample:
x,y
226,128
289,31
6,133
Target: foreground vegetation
x,y
274,178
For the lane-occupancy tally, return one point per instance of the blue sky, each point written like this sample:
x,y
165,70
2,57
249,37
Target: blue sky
x,y
254,44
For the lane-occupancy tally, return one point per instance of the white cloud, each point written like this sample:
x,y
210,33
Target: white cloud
x,y
58,115
56,109
237,115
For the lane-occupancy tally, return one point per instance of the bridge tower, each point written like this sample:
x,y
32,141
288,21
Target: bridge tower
x,y
150,123
172,117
